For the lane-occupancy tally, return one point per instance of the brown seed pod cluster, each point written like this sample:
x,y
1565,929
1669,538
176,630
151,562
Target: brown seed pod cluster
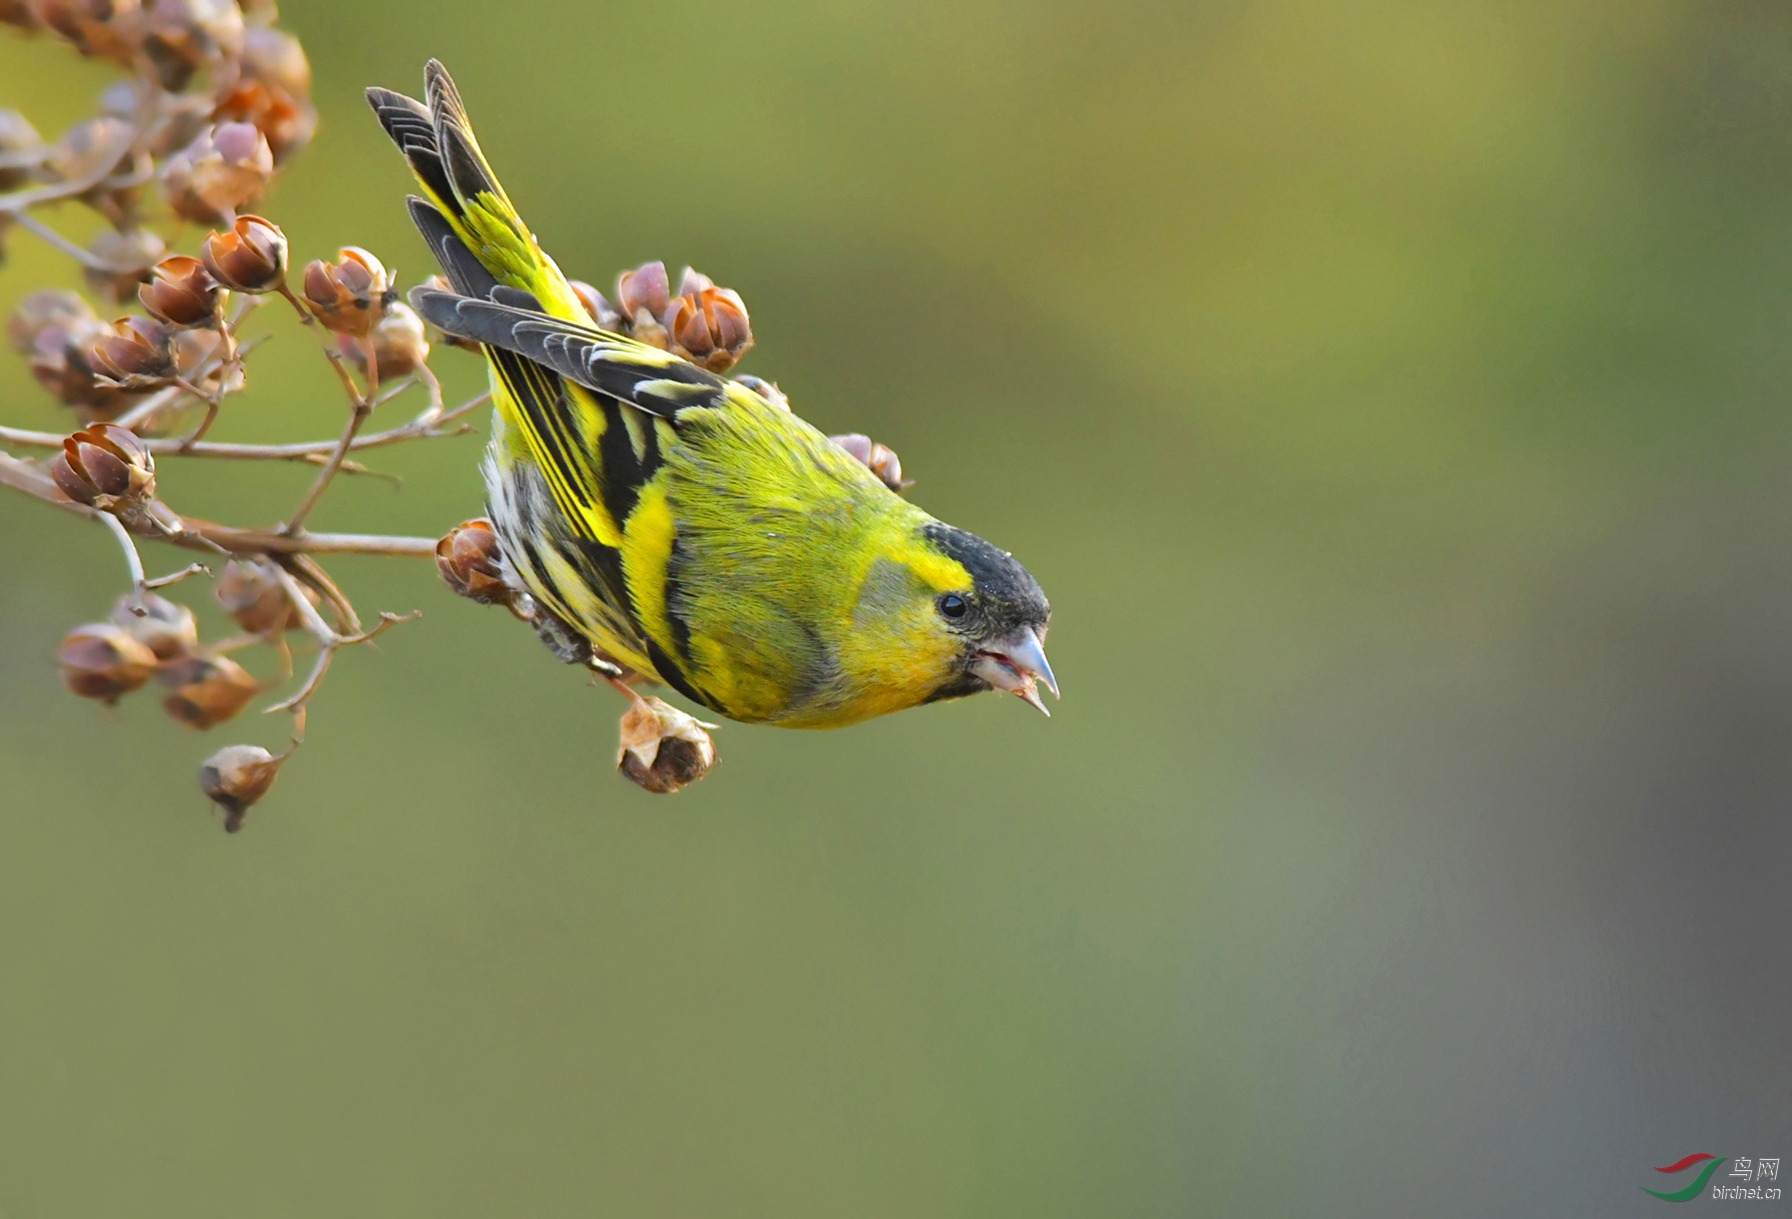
x,y
662,749
252,595
106,467
348,295
238,776
881,460
471,563
702,323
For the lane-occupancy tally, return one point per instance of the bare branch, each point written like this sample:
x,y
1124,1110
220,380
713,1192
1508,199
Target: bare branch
x,y
87,258
417,429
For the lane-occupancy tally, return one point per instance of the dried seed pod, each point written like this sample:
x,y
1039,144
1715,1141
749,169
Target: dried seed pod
x,y
182,292
472,565
236,777
47,307
708,328
106,467
662,749
102,29
128,256
250,256
89,149
600,309
348,295
19,142
286,121
400,344
133,351
207,690
181,35
165,627
275,58
768,390
103,661
60,364
18,13
692,281
227,167
250,593
879,459
645,287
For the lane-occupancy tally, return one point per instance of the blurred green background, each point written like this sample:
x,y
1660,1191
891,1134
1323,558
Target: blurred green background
x,y
1389,396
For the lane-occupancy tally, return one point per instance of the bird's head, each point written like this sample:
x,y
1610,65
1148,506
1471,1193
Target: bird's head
x,y
957,616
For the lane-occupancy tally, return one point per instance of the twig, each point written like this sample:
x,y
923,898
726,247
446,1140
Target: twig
x,y
16,202
416,429
357,416
209,536
128,544
335,357
191,569
87,258
328,640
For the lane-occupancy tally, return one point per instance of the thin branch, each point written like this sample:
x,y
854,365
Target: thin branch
x,y
87,258
321,483
211,537
416,429
16,202
335,357
128,544
191,569
329,642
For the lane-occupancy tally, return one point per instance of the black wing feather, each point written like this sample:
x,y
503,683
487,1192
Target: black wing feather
x,y
609,364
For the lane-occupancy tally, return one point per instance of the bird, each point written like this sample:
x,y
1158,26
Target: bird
x,y
687,528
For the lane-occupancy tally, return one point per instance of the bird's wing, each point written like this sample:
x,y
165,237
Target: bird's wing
x,y
647,378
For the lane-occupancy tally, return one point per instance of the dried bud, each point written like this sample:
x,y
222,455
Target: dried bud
x,y
133,351
663,749
89,149
128,256
879,459
20,147
692,281
601,311
250,593
59,362
472,564
102,661
182,292
47,307
180,35
643,288
236,777
165,628
287,122
709,328
275,58
228,166
105,467
347,295
17,12
104,29
250,256
207,690
768,390
399,342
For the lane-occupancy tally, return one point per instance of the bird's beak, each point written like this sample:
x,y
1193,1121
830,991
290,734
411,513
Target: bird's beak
x,y
1017,664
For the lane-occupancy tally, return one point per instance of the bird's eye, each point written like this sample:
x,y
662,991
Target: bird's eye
x,y
952,605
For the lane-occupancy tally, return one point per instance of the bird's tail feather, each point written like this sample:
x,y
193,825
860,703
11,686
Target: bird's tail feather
x,y
467,219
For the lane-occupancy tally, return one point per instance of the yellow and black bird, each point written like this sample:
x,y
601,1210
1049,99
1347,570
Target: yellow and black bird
x,y
680,522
